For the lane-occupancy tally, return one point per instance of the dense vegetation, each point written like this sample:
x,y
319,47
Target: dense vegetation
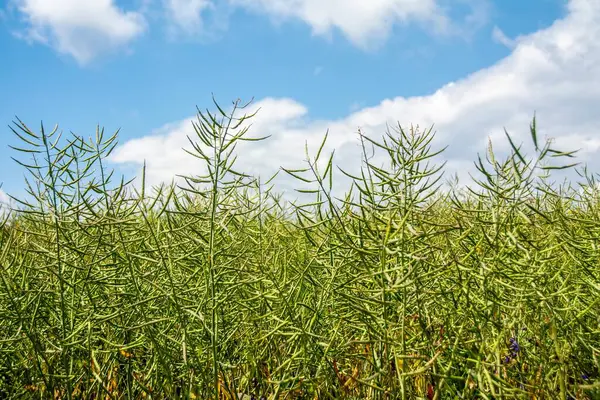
x,y
219,288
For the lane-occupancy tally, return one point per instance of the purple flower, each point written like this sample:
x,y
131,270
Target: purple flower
x,y
514,346
585,376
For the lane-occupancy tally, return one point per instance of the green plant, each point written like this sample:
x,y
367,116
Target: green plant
x,y
218,288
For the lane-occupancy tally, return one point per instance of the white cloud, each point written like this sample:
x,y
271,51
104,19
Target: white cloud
x,y
187,14
4,199
81,29
501,38
364,23
553,71
87,29
5,203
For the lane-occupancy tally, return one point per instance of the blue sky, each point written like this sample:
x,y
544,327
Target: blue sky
x,y
471,67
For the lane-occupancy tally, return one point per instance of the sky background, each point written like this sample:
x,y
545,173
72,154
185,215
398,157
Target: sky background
x,y
471,67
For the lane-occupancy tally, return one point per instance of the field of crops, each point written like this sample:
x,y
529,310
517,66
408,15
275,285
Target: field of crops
x,y
217,288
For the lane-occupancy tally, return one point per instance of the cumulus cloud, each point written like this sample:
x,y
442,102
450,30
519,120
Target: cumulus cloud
x,y
187,14
81,29
87,29
361,21
364,23
551,72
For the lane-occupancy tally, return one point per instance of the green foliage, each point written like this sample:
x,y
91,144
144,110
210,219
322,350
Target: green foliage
x,y
217,289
